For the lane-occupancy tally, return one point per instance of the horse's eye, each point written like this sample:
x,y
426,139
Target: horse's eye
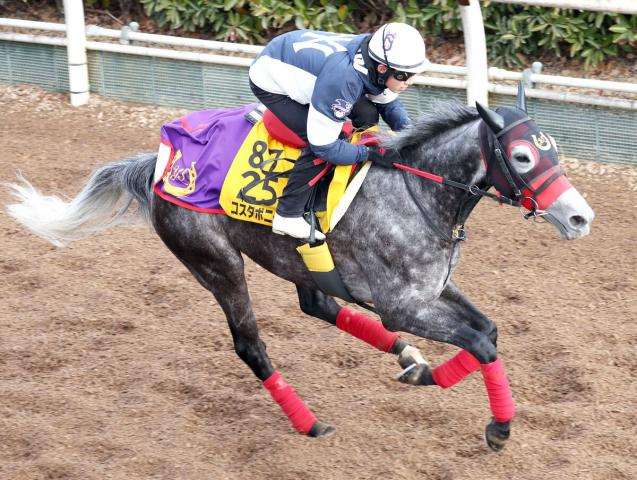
x,y
522,158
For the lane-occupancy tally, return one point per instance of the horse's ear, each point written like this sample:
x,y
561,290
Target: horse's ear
x,y
521,101
493,119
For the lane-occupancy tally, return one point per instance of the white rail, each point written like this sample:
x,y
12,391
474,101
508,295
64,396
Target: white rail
x,y
132,49
499,74
494,73
419,79
612,6
30,24
76,52
567,97
177,41
475,53
95,31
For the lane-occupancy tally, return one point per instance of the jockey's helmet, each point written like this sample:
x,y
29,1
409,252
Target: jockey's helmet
x,y
400,47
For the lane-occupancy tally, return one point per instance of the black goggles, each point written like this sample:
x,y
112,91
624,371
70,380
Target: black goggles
x,y
402,76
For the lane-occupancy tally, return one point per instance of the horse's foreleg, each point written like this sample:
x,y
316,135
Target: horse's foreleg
x,y
462,364
317,304
451,319
494,376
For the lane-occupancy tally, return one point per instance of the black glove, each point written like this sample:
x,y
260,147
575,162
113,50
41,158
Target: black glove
x,y
384,157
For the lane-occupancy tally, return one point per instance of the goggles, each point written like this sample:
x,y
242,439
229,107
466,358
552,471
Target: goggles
x,y
402,76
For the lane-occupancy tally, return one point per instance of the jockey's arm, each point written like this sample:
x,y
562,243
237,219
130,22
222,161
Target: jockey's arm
x,y
391,109
323,133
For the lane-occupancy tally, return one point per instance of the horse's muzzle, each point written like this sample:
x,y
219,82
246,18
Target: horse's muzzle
x,y
571,215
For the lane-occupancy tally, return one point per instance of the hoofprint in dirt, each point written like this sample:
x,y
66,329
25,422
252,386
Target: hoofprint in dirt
x,y
116,364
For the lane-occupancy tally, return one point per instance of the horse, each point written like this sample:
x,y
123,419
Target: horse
x,y
396,247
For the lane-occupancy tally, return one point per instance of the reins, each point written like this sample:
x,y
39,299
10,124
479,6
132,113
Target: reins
x,y
473,189
474,194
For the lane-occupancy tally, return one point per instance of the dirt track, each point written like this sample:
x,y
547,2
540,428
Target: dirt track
x,y
116,364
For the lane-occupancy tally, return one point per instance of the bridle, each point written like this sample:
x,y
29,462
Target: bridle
x,y
526,192
474,194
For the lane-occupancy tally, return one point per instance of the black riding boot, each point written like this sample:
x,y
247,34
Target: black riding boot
x,y
289,219
297,192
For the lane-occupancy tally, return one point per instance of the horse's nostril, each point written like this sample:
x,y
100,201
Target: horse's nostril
x,y
578,221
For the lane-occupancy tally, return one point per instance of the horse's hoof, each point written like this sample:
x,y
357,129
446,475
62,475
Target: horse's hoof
x,y
496,434
410,355
320,429
416,374
416,370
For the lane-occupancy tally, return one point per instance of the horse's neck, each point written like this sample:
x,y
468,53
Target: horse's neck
x,y
454,156
413,203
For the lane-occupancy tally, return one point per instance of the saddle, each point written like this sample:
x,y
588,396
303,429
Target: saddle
x,y
333,195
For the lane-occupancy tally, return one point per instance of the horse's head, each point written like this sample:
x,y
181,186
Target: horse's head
x,y
522,163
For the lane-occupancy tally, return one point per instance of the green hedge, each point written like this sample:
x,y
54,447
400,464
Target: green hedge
x,y
514,33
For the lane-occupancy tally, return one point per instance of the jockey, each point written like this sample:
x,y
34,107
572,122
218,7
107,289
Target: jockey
x,y
313,80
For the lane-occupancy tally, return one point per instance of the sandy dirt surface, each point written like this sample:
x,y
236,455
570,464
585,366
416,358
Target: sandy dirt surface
x,y
116,364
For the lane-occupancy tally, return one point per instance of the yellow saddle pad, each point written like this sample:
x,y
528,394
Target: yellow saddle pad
x,y
251,187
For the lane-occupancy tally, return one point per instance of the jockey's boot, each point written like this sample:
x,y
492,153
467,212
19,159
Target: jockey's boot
x,y
295,227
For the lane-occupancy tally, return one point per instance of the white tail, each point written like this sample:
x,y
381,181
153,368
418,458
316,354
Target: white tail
x,y
94,209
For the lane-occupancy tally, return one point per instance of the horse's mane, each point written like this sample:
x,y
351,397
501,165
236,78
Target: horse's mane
x,y
444,117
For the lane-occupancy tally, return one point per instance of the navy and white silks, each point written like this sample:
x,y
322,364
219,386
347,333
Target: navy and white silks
x,y
327,71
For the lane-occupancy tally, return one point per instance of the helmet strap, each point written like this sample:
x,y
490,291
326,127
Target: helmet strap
x,y
383,72
371,64
382,75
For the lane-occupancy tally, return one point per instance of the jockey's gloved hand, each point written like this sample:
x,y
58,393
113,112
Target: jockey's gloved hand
x,y
384,157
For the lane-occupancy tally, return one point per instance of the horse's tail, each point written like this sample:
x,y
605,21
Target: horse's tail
x,y
101,204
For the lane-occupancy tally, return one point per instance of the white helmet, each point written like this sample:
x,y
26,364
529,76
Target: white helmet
x,y
399,46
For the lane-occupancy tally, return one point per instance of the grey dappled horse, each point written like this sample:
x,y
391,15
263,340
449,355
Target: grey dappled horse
x,y
396,246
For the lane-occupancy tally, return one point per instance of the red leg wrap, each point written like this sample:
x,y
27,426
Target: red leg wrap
x,y
497,383
301,417
455,369
366,329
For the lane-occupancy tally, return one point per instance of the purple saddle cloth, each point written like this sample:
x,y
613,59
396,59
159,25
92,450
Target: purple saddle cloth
x,y
203,145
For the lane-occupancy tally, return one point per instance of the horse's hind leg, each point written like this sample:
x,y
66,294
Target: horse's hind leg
x,y
219,268
230,290
320,305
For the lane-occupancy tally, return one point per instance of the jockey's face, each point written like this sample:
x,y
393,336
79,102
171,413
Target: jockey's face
x,y
398,86
396,81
